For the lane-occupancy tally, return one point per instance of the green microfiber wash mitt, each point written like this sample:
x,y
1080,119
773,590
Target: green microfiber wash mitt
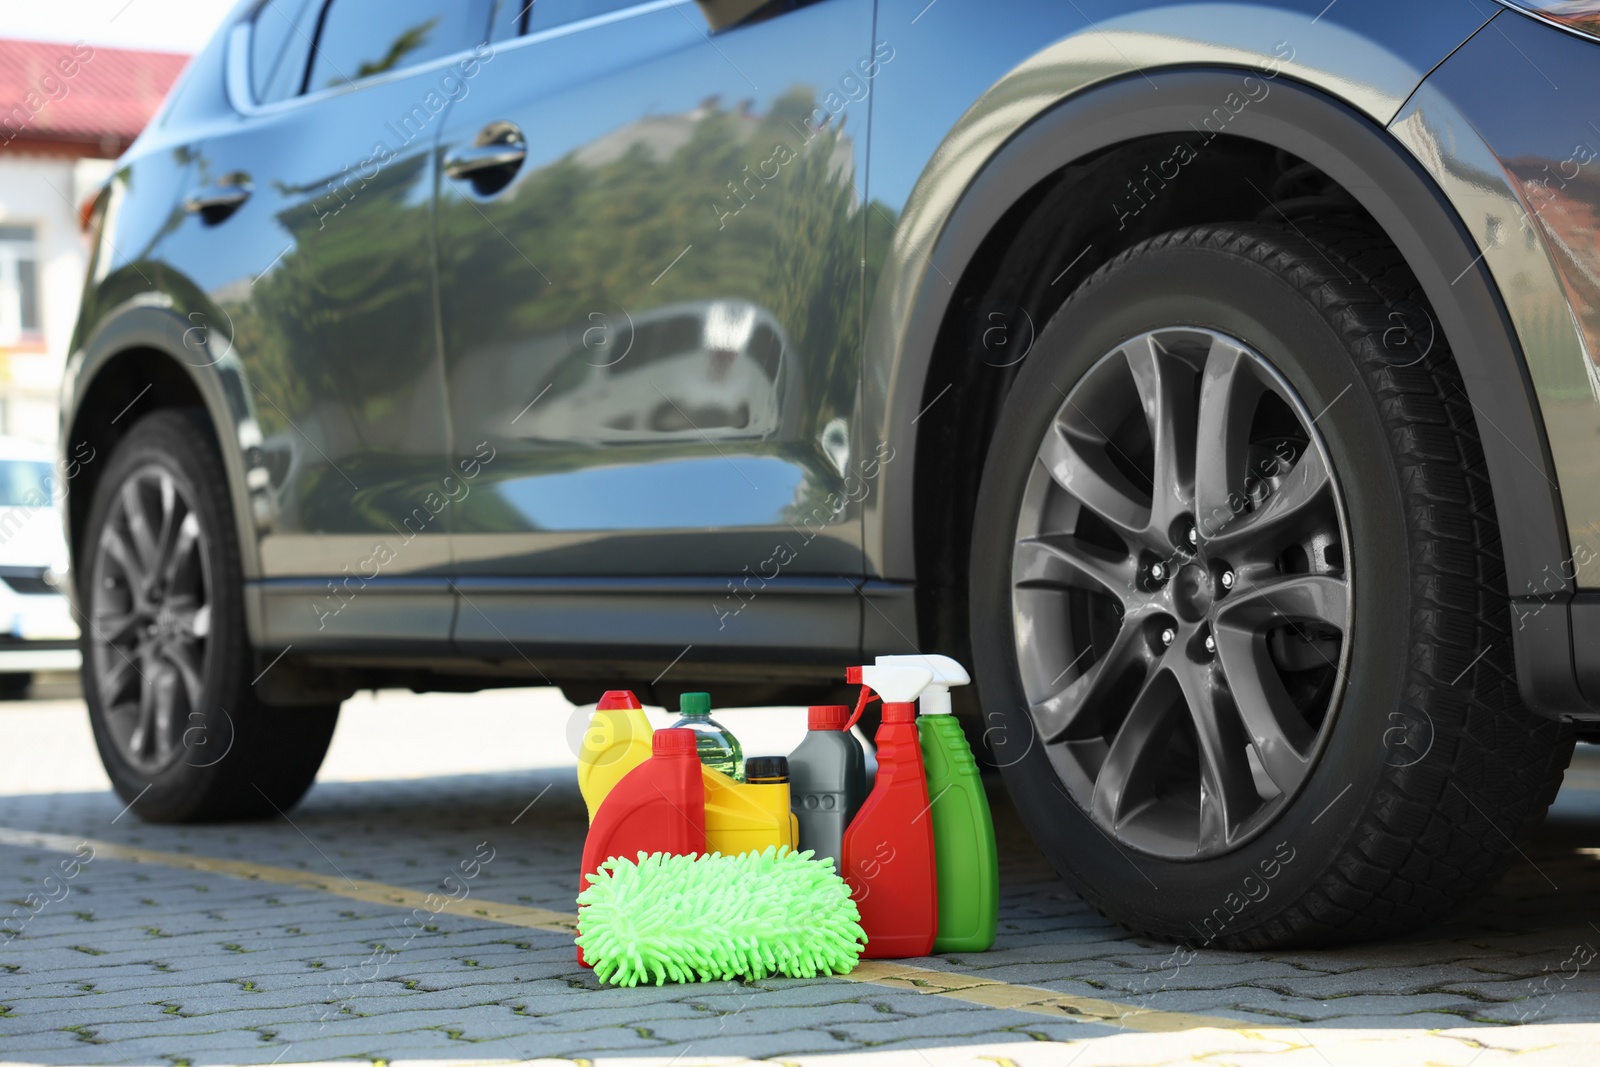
x,y
716,917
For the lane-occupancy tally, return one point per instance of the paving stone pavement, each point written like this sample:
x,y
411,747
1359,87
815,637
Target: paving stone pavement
x,y
140,963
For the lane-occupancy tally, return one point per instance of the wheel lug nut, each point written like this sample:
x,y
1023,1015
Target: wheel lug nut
x,y
1227,579
1211,643
1168,636
1158,571
1194,535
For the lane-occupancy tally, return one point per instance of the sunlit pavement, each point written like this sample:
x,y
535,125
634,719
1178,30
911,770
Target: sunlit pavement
x,y
289,955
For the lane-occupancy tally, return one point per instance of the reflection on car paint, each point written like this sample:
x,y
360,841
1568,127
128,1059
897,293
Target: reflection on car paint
x,y
710,368
643,496
650,311
1523,166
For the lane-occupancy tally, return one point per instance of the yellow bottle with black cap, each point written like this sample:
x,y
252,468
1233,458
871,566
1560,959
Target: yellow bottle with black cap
x,y
752,815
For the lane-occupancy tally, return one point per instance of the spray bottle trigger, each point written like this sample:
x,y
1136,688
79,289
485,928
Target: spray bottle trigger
x,y
867,697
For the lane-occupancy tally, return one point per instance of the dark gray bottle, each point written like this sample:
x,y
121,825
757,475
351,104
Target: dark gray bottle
x,y
827,782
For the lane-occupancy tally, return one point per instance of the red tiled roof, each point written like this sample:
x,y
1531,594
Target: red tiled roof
x,y
80,93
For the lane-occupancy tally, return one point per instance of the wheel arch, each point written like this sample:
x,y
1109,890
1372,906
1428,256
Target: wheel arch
x,y
920,334
134,363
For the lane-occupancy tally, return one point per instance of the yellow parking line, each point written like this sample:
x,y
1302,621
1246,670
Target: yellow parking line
x,y
366,892
1032,999
886,974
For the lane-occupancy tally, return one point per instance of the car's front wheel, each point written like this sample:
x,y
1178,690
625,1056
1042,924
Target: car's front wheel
x,y
1239,610
167,666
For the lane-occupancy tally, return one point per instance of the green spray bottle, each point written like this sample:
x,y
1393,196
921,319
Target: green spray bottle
x,y
963,830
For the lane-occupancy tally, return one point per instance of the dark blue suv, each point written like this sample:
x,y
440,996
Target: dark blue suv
x,y
1218,379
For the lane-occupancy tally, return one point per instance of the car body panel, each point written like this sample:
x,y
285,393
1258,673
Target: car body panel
x,y
741,482
664,390
677,372
331,351
1496,128
333,330
937,125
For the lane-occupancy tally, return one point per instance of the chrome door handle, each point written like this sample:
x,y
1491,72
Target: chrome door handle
x,y
474,160
224,196
491,161
216,202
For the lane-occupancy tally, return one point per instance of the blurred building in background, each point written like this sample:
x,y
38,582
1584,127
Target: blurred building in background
x,y
66,113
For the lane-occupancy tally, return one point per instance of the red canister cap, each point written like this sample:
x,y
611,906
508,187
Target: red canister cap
x,y
673,742
827,716
617,699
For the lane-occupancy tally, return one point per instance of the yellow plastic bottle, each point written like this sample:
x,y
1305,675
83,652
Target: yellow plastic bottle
x,y
617,741
770,774
753,815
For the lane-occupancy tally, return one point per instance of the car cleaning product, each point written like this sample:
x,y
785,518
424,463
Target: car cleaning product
x,y
659,806
769,777
963,830
827,782
719,749
739,818
766,770
888,847
749,816
716,918
617,741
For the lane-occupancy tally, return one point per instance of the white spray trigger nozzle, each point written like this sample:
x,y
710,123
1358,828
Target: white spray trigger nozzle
x,y
946,673
945,670
896,684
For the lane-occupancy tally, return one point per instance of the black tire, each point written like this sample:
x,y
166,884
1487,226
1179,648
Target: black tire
x,y
1429,767
210,749
15,686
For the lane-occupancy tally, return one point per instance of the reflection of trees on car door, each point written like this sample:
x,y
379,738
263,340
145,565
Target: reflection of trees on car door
x,y
654,320
314,243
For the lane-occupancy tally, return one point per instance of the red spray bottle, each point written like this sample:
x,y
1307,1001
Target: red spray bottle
x,y
888,847
659,806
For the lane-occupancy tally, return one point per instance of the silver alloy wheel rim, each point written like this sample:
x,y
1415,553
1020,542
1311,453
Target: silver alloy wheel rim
x,y
1181,598
151,619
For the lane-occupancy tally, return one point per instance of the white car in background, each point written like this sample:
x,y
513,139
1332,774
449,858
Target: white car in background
x,y
37,629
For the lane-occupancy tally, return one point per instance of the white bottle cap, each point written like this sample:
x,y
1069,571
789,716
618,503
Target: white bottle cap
x,y
935,701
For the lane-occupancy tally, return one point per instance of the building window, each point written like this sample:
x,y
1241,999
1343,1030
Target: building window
x,y
19,284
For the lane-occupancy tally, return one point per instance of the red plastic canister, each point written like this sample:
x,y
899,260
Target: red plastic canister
x,y
659,806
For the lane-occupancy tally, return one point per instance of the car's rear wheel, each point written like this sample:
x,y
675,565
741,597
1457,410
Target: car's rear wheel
x,y
1238,604
166,661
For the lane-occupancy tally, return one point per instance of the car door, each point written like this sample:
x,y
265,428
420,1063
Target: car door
x,y
650,244
311,217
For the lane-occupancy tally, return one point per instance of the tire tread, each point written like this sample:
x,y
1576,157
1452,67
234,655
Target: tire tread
x,y
1441,830
275,752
